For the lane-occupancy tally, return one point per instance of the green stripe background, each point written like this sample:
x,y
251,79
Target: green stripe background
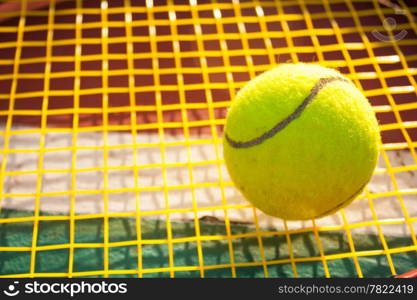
x,y
185,254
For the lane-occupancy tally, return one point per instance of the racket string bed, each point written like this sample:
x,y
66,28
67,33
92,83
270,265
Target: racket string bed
x,y
111,125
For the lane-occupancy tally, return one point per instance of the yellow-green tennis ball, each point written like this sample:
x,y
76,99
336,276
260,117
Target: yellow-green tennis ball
x,y
301,141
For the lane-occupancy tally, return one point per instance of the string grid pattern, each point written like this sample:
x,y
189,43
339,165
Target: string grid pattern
x,y
172,68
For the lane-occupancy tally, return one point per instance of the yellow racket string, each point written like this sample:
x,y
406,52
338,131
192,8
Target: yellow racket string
x,y
206,23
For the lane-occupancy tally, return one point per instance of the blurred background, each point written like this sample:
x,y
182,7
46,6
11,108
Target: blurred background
x,y
112,117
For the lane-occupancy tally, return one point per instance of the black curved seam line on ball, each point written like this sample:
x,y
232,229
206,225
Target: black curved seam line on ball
x,y
343,202
282,124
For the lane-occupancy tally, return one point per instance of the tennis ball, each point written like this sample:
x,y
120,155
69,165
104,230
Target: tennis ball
x,y
301,141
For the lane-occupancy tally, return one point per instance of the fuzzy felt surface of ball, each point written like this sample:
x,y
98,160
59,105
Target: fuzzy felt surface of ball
x,y
300,141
